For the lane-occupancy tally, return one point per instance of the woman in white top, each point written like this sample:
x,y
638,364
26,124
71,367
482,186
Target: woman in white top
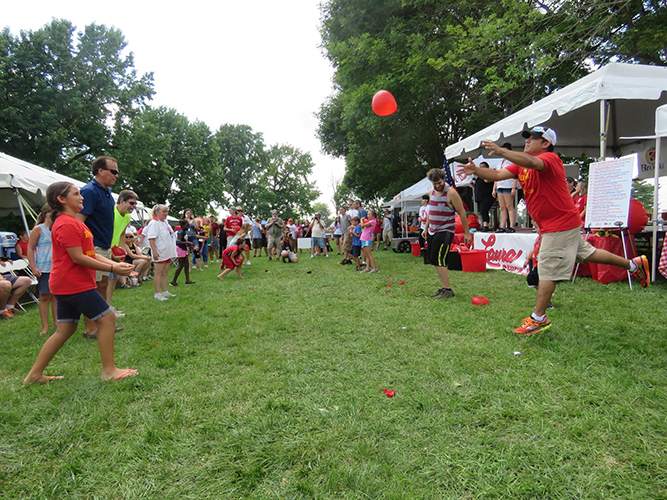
x,y
163,248
337,232
505,191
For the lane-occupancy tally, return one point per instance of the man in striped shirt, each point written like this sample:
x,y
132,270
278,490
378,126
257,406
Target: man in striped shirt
x,y
443,204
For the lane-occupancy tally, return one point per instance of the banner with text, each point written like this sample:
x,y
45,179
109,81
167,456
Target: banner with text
x,y
505,251
609,188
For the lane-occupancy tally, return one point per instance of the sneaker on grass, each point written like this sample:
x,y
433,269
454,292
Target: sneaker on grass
x,y
167,294
642,271
530,327
119,314
160,297
437,293
445,293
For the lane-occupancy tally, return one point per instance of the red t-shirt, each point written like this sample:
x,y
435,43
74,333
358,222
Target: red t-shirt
x,y
68,278
214,229
547,198
233,222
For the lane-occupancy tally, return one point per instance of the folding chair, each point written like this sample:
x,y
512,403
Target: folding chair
x,y
21,267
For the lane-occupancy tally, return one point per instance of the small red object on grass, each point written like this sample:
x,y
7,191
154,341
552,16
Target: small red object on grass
x,y
389,393
401,282
480,301
389,286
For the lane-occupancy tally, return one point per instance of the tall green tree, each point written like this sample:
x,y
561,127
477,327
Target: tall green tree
x,y
166,159
285,184
454,67
241,157
61,94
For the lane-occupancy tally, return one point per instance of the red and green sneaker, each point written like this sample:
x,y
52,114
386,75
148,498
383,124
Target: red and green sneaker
x,y
530,327
642,273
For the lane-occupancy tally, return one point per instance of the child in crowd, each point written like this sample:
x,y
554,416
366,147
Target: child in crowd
x,y
21,247
287,247
232,259
355,230
246,228
368,225
73,283
39,256
206,233
182,251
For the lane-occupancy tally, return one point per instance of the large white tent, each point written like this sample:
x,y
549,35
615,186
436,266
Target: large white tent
x,y
23,186
589,115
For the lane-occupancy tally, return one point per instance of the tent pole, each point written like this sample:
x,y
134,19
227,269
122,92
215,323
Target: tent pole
x,y
603,129
656,209
25,222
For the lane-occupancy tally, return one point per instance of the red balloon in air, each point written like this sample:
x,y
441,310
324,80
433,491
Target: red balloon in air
x,y
384,103
480,301
389,393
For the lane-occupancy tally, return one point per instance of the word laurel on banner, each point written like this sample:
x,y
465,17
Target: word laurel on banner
x,y
505,251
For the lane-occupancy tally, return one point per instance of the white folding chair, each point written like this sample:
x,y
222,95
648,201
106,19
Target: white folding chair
x,y
21,267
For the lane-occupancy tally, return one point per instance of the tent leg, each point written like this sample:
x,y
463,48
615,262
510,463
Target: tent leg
x,y
656,209
25,222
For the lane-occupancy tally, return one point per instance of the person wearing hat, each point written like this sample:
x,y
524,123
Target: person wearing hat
x,y
245,220
542,175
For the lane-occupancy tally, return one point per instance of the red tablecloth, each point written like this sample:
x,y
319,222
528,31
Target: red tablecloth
x,y
603,273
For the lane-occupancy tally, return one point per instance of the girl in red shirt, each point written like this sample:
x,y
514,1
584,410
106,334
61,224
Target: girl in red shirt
x,y
72,281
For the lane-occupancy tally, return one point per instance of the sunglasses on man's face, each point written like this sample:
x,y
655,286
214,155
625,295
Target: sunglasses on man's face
x,y
113,171
133,203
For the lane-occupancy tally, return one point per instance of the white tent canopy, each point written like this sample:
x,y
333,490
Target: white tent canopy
x,y
660,132
23,185
589,115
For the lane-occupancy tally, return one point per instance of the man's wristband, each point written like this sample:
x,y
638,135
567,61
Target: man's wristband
x,y
111,268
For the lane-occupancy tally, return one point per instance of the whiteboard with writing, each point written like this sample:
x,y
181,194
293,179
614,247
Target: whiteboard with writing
x,y
609,189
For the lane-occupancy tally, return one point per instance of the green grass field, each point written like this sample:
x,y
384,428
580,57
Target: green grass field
x,y
271,387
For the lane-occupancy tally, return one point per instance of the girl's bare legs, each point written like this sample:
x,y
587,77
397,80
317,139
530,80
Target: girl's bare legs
x,y
224,273
502,202
160,279
44,302
49,350
106,326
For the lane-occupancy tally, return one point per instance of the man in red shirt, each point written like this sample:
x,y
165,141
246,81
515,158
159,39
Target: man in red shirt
x,y
542,175
232,224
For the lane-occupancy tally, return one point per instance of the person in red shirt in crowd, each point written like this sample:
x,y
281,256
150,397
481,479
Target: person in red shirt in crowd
x,y
21,247
542,175
581,199
232,259
232,225
215,241
73,283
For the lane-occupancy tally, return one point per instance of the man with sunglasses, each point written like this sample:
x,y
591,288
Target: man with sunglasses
x,y
126,203
542,175
98,215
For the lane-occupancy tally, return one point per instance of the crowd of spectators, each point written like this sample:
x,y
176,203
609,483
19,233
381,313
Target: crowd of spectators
x,y
95,249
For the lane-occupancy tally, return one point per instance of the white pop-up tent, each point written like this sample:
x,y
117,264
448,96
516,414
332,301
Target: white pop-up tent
x,y
23,187
589,115
660,132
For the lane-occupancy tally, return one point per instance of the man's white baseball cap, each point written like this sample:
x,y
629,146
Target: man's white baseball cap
x,y
541,132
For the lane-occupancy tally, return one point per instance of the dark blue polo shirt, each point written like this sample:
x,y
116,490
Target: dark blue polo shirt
x,y
98,205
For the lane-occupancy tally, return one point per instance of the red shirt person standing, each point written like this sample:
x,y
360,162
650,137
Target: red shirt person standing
x,y
542,175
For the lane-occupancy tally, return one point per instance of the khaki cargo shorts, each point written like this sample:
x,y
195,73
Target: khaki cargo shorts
x,y
559,252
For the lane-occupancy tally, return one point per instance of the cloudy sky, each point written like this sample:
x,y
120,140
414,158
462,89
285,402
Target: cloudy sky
x,y
256,63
